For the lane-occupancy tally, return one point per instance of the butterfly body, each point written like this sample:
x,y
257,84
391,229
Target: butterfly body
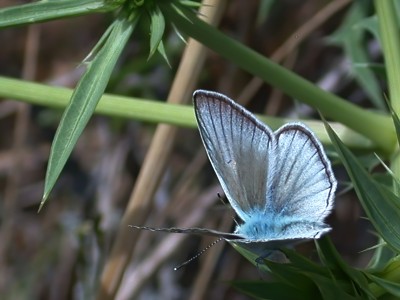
x,y
269,227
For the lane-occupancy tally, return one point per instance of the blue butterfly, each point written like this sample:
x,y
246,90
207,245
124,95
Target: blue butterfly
x,y
280,184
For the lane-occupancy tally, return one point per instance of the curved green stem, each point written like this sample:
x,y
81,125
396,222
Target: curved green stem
x,y
377,127
152,111
389,32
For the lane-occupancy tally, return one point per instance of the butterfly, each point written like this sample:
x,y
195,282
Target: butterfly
x,y
280,184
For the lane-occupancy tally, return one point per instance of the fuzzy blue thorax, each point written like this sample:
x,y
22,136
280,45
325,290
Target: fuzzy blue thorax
x,y
261,226
272,226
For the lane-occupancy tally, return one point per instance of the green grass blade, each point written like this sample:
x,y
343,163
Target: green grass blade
x,y
304,264
380,204
99,44
161,50
386,280
370,24
396,121
272,290
381,256
331,258
48,10
290,274
389,33
351,37
157,28
389,286
330,290
84,100
189,3
300,274
264,11
376,68
287,273
376,127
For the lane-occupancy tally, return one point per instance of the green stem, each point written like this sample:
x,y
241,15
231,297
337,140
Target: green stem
x,y
391,273
151,111
377,127
110,105
389,32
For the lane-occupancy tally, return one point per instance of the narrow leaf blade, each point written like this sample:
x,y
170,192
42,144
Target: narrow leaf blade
x,y
84,100
48,10
157,29
380,204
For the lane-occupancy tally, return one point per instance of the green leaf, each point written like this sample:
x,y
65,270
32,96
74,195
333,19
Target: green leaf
x,y
189,3
370,24
303,275
351,38
161,50
308,276
386,280
389,286
48,10
290,274
272,290
389,32
396,121
376,68
250,256
264,10
157,28
381,205
305,264
331,258
180,11
85,98
99,44
377,127
381,256
330,290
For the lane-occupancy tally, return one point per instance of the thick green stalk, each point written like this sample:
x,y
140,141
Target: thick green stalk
x,y
110,105
144,110
377,127
389,32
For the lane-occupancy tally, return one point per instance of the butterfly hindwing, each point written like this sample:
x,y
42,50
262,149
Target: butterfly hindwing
x,y
304,184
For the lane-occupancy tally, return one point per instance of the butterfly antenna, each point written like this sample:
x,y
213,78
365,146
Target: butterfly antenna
x,y
198,254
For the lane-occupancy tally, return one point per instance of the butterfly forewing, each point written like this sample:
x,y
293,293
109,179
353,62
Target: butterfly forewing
x,y
239,148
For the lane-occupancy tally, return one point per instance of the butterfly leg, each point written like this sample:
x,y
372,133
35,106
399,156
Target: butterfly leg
x,y
275,255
